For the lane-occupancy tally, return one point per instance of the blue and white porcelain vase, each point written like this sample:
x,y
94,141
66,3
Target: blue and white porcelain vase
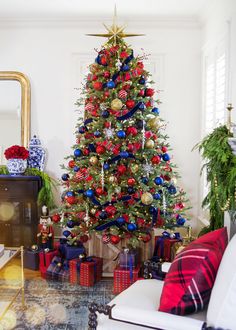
x,y
36,154
16,166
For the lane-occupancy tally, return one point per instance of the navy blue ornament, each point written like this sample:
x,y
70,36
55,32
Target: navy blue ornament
x,y
166,157
98,60
121,134
142,81
158,180
142,106
78,153
65,177
156,110
66,233
172,189
111,84
180,221
80,191
76,168
139,123
106,166
89,193
82,130
152,209
144,180
70,224
97,133
124,154
131,190
120,220
105,114
157,196
125,67
103,215
131,227
70,193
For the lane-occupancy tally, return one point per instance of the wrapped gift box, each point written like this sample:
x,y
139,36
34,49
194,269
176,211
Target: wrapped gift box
x,y
86,273
58,270
1,250
45,258
31,259
71,252
128,259
124,278
163,247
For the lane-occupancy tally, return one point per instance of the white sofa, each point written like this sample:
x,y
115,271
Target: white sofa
x,y
136,308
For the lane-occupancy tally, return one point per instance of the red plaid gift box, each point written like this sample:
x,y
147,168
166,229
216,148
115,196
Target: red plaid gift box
x,y
124,278
45,258
86,273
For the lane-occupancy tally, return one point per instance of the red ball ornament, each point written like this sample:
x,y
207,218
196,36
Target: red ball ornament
x,y
100,150
132,131
156,159
86,152
89,107
130,104
105,238
107,93
111,210
71,163
97,85
56,218
71,199
164,149
126,217
103,60
126,87
99,191
131,181
141,92
146,238
94,77
107,124
127,76
123,54
130,147
114,239
84,238
122,94
106,74
149,92
121,169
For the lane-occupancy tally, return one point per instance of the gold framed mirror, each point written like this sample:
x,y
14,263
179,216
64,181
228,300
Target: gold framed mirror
x,y
21,104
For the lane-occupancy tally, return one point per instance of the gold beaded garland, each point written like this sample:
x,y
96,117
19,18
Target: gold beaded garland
x,y
116,104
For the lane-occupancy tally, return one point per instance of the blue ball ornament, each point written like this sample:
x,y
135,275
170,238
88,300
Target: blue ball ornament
x,y
142,81
110,84
66,233
156,110
76,168
70,193
98,60
124,154
103,215
157,196
131,190
120,220
105,114
140,123
89,193
166,157
121,134
80,191
125,67
144,180
106,166
65,177
131,227
172,190
142,106
97,133
78,153
158,181
82,130
70,224
180,221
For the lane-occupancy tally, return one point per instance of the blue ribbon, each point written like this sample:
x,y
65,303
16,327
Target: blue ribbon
x,y
88,121
126,61
130,113
130,266
154,216
115,159
106,225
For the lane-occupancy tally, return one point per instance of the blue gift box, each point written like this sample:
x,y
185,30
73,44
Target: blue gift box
x,y
31,259
128,259
69,252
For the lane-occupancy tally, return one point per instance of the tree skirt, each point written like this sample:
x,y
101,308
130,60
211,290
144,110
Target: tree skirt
x,y
55,305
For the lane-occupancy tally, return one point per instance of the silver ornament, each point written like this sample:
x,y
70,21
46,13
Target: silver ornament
x,y
148,169
103,106
118,64
109,133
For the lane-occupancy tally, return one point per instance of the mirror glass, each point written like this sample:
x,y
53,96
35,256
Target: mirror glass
x,y
10,115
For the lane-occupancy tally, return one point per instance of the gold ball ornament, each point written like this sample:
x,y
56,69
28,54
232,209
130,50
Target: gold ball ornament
x,y
59,264
149,144
134,168
154,122
93,68
112,179
93,211
147,198
116,104
93,160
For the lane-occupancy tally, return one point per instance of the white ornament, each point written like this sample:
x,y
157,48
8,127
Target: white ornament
x,y
103,106
109,132
164,202
118,64
148,168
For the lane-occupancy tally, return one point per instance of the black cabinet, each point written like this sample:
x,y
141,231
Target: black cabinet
x,y
18,209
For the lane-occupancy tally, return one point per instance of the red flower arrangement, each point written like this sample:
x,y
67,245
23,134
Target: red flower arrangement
x,y
16,152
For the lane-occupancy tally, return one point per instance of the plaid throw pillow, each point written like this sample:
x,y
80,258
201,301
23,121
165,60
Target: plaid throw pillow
x,y
192,274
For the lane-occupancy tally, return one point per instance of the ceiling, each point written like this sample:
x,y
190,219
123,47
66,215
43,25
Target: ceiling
x,y
81,9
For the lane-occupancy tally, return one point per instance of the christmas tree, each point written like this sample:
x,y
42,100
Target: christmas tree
x,y
119,181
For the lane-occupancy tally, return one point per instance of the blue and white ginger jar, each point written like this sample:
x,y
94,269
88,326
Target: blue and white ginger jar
x,y
36,154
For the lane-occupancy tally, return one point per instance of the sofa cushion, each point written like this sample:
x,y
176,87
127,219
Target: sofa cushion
x,y
222,305
188,284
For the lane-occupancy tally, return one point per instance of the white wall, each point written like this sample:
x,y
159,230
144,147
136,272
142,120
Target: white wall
x,y
46,55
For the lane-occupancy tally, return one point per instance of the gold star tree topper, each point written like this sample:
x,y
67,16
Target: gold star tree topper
x,y
115,32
